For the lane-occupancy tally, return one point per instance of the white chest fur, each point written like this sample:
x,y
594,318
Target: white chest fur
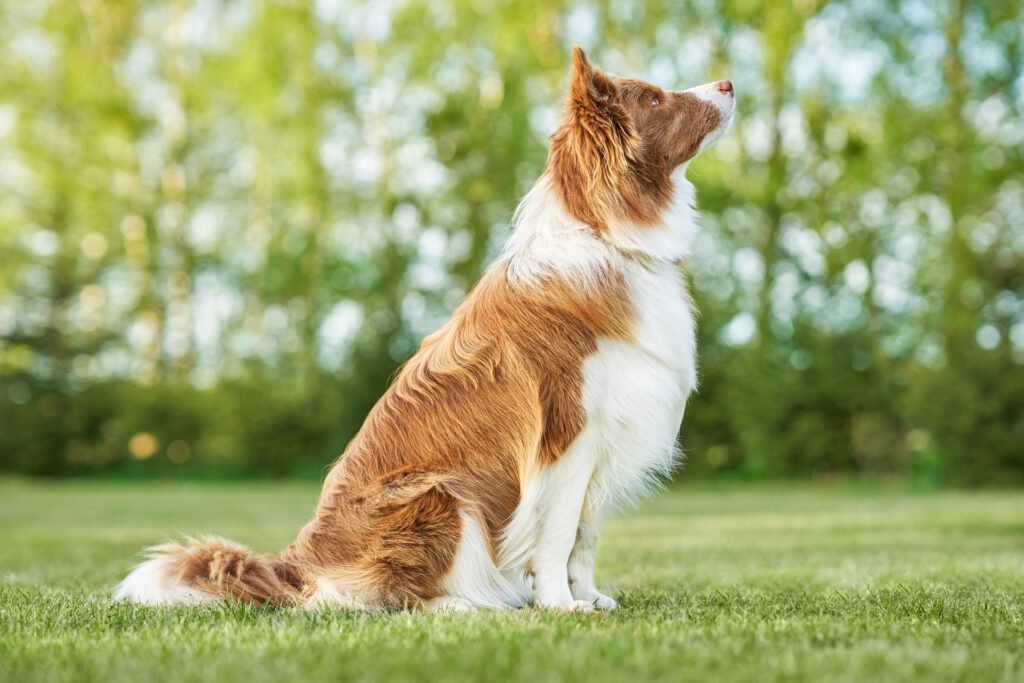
x,y
635,390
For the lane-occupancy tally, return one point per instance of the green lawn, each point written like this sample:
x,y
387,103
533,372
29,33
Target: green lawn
x,y
716,584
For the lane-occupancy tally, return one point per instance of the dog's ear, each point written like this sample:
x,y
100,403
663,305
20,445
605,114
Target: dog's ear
x,y
589,87
593,148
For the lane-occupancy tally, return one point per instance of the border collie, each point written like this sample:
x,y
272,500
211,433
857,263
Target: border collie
x,y
553,394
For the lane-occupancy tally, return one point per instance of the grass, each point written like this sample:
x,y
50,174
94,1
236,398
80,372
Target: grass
x,y
715,583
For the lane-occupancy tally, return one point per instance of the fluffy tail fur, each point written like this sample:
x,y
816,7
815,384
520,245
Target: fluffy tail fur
x,y
207,570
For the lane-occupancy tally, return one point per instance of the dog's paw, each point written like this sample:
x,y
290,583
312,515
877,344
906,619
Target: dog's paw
x,y
577,606
571,606
449,605
599,601
603,602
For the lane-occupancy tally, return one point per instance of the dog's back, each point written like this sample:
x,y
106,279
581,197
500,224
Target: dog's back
x,y
553,393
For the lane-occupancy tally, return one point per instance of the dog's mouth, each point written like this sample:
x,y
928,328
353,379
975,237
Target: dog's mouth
x,y
722,96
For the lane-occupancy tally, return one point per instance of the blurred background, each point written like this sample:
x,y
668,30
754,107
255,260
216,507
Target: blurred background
x,y
225,223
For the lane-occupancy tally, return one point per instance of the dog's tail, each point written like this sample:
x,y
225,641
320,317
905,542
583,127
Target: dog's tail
x,y
207,570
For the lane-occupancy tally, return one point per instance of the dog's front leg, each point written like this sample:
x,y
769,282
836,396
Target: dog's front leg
x,y
567,483
581,561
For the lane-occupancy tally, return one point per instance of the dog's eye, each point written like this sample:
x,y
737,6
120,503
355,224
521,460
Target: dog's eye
x,y
655,101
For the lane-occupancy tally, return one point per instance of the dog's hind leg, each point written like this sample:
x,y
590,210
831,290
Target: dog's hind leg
x,y
473,578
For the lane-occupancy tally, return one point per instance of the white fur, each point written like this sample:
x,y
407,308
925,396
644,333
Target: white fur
x,y
474,579
547,241
673,238
545,493
154,582
726,104
331,592
448,604
634,395
539,538
634,390
581,562
472,582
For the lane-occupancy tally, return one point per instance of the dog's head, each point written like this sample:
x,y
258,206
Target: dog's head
x,y
620,139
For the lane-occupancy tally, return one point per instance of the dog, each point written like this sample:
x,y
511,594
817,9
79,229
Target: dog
x,y
553,394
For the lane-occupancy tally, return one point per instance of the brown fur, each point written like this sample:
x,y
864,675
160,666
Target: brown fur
x,y
613,155
491,397
493,392
222,568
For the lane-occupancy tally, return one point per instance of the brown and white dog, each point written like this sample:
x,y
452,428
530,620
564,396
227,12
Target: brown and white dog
x,y
553,394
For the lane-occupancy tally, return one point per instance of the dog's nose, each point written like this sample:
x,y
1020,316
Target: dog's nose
x,y
724,87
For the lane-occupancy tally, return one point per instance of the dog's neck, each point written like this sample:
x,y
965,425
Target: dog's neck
x,y
671,239
546,240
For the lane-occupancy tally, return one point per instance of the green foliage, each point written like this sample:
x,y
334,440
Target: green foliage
x,y
224,225
194,432
723,584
